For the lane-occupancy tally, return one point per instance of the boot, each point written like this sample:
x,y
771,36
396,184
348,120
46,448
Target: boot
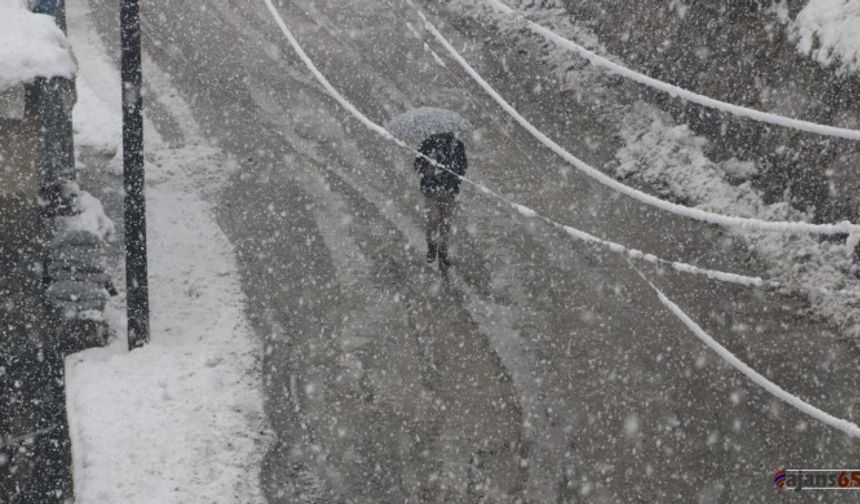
x,y
431,252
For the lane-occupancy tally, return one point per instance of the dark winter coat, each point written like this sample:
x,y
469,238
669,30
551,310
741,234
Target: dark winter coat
x,y
449,152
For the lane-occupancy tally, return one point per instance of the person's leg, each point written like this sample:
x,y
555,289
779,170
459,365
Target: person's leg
x,y
432,223
446,210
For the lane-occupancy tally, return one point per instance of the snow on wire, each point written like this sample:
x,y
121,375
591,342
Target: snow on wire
x,y
848,427
573,232
845,426
675,91
771,387
741,223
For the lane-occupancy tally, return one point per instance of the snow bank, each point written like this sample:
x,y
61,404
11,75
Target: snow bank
x,y
31,45
180,420
829,31
88,215
671,159
96,124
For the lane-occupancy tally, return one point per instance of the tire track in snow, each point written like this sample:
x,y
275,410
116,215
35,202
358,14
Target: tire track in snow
x,y
449,427
498,324
476,305
825,229
573,232
544,473
479,309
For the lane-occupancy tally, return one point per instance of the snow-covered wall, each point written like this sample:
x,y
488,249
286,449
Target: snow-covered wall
x,y
31,46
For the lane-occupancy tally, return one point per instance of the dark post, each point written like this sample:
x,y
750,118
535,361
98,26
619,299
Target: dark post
x,y
135,205
58,156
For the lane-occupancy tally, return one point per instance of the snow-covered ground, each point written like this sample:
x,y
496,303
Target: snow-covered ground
x,y
669,158
180,420
829,31
387,385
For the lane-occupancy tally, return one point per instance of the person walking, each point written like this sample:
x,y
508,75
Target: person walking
x,y
440,186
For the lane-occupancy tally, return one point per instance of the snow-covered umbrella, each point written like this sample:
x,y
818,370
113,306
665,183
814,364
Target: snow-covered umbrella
x,y
418,124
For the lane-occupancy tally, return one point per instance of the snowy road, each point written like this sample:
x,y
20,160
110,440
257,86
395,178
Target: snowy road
x,y
543,371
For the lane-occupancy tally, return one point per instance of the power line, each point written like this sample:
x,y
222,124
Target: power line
x,y
759,379
522,209
845,426
678,92
741,223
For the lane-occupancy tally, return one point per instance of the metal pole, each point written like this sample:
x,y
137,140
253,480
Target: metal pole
x,y
137,289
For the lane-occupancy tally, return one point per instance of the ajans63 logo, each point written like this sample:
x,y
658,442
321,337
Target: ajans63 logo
x,y
817,479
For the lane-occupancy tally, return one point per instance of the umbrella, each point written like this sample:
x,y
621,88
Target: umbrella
x,y
418,124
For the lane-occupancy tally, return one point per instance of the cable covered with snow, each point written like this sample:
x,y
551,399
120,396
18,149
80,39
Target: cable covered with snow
x,y
678,92
741,223
722,276
573,232
844,425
